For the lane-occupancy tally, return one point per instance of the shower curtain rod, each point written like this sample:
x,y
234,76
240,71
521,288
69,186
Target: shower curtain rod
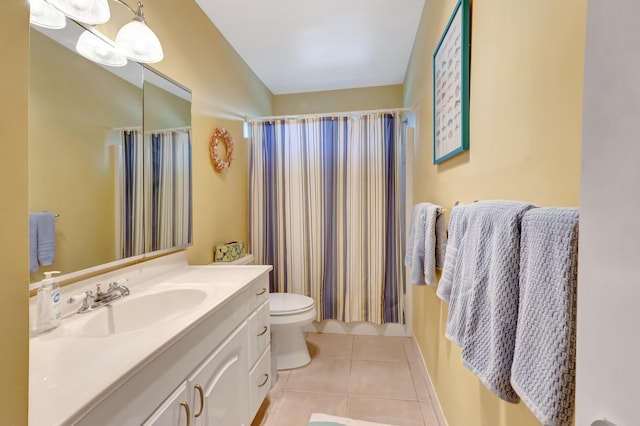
x,y
171,129
328,114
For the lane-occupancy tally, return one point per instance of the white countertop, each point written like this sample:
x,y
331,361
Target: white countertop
x,y
69,372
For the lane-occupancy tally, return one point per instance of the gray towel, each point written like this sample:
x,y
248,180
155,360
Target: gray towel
x,y
45,246
543,370
33,242
426,243
457,228
486,305
46,239
441,240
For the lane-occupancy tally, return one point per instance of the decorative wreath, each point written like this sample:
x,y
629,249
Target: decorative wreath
x,y
221,135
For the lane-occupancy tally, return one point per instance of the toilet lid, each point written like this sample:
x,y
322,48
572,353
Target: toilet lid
x,y
288,303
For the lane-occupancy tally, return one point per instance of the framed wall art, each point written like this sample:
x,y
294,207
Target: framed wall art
x,y
451,86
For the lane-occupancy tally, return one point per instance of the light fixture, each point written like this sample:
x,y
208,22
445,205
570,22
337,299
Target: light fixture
x,y
136,40
92,47
44,15
90,12
246,130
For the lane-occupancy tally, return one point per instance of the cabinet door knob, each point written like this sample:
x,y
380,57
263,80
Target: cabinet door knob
x,y
266,379
261,292
264,330
185,405
201,392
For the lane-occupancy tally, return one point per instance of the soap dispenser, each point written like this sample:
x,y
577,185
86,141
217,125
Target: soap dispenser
x,y
49,314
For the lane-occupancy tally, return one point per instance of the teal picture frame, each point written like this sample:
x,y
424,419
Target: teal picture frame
x,y
451,86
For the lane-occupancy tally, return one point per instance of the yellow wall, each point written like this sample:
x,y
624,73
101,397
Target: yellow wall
x,y
380,97
163,109
525,132
14,350
70,172
224,91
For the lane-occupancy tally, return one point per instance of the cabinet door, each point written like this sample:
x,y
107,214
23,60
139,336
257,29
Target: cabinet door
x,y
219,387
259,382
174,411
259,333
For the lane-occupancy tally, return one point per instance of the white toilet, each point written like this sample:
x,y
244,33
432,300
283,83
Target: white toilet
x,y
289,312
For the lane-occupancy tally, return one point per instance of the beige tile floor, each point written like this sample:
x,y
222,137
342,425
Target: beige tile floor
x,y
373,378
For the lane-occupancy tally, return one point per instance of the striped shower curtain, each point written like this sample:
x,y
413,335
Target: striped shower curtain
x,y
155,191
131,204
326,211
167,189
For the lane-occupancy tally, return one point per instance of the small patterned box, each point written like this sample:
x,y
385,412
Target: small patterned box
x,y
228,252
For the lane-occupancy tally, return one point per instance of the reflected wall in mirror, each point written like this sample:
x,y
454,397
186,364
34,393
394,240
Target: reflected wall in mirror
x,y
83,118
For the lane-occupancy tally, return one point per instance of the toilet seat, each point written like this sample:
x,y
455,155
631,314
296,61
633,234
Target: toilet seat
x,y
289,303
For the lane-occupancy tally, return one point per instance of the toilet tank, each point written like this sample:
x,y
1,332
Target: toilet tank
x,y
247,259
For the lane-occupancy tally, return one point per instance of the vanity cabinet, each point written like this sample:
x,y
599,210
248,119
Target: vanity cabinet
x,y
174,411
217,373
219,386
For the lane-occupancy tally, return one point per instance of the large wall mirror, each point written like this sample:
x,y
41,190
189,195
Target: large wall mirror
x,y
109,155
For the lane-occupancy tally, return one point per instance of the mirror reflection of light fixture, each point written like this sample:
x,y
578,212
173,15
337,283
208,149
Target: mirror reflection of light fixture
x,y
92,47
45,15
90,12
136,40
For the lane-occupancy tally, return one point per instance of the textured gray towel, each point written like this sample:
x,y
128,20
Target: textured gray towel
x,y
426,243
486,305
457,228
543,370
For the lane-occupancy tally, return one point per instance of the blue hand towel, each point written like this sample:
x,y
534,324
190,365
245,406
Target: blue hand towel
x,y
33,242
46,238
543,370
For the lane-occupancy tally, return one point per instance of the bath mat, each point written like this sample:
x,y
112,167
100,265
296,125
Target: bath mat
x,y
320,419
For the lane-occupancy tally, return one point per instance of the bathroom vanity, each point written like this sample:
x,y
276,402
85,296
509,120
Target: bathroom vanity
x,y
189,345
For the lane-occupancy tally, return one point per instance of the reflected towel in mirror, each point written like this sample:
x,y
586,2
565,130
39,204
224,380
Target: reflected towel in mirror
x,y
42,240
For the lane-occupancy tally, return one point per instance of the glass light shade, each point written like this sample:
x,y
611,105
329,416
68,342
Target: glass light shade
x,y
136,41
45,15
90,12
97,50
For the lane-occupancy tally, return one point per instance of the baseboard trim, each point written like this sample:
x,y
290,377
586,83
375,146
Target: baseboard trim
x,y
437,408
358,328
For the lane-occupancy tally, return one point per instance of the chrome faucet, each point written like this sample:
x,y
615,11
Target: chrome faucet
x,y
88,302
117,290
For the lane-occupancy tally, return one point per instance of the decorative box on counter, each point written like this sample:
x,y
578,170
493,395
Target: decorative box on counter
x,y
228,252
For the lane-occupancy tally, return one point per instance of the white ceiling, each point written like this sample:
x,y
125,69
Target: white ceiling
x,y
299,46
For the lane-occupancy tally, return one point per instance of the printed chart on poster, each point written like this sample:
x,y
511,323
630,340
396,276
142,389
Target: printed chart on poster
x,y
451,87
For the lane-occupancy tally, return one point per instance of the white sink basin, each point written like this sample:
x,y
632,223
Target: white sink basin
x,y
135,312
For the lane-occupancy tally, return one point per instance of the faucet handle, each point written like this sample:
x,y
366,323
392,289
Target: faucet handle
x,y
88,301
119,285
78,297
99,292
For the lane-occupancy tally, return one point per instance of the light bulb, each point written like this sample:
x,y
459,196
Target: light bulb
x,y
90,12
137,42
44,15
82,4
97,50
